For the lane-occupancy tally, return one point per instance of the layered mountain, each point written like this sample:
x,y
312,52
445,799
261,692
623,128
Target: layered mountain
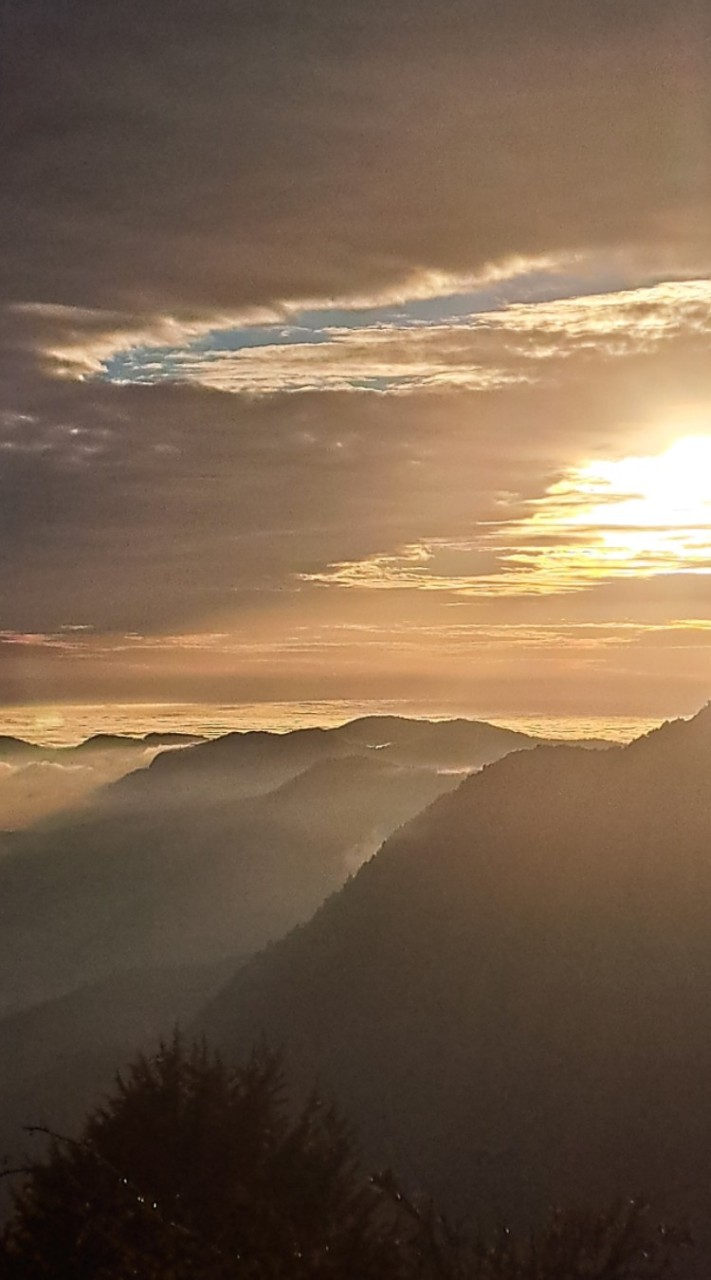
x,y
457,744
185,881
253,762
216,847
38,780
120,919
13,749
511,999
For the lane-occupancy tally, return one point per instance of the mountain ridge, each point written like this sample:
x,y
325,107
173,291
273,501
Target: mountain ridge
x,y
508,985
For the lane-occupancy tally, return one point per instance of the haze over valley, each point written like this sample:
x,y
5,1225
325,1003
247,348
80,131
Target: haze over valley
x,y
120,918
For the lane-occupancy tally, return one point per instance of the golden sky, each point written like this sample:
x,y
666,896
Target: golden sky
x,y
357,350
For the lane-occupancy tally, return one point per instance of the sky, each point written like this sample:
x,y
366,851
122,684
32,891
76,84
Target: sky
x,y
356,350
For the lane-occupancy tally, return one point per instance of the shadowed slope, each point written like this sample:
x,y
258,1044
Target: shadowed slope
x,y
512,997
122,885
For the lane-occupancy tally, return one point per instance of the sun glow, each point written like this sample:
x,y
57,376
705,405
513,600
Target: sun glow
x,y
642,515
669,491
634,517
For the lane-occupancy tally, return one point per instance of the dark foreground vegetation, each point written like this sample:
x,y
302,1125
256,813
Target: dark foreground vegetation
x,y
193,1170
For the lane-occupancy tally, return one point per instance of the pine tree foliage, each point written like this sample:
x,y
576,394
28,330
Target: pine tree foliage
x,y
194,1170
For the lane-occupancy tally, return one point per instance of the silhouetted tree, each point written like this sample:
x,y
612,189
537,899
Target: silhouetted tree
x,y
623,1242
193,1170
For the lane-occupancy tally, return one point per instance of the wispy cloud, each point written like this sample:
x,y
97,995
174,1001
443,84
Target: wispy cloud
x,y
629,518
480,351
500,230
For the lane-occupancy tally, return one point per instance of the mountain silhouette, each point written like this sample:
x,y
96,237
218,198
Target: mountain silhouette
x,y
117,741
463,744
247,763
512,997
116,919
37,780
258,761
13,749
179,866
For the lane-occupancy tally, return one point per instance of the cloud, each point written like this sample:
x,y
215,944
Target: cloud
x,y
170,173
463,659
518,343
160,159
33,791
632,518
140,507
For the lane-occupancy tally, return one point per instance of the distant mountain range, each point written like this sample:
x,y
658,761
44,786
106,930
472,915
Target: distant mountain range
x,y
129,914
114,917
15,749
258,761
37,781
215,849
512,999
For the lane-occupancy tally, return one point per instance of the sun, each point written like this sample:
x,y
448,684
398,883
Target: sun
x,y
642,516
634,517
670,490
